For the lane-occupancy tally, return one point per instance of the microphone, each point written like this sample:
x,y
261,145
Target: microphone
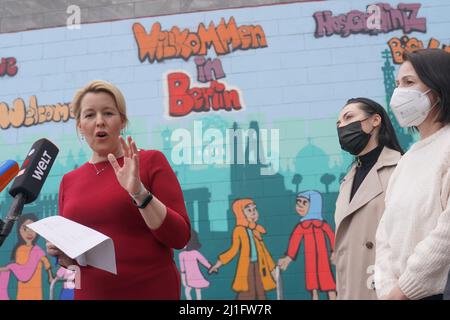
x,y
8,170
29,181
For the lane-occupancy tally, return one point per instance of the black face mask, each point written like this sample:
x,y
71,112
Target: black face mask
x,y
352,137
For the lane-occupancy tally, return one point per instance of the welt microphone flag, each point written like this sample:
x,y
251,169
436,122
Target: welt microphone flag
x,y
8,170
34,171
29,182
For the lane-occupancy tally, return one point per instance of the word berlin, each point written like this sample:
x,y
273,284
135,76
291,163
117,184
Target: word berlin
x,y
159,45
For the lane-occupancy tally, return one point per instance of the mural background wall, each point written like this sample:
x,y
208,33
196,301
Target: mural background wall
x,y
281,73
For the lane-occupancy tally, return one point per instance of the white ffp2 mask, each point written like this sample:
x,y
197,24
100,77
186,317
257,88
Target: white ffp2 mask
x,y
411,107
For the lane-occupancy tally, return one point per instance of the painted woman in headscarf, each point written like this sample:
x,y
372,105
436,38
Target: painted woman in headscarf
x,y
255,265
313,231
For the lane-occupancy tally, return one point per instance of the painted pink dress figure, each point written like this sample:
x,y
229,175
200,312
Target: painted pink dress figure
x,y
191,276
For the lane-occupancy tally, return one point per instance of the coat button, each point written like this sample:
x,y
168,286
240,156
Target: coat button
x,y
369,245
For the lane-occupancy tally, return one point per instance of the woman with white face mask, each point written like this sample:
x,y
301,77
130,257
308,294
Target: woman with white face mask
x,y
413,237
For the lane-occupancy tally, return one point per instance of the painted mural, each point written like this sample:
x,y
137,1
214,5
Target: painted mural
x,y
28,263
190,260
243,103
8,67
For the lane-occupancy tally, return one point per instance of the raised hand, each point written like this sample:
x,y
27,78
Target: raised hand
x,y
128,174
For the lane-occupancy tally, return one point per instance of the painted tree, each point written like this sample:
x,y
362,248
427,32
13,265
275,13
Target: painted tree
x,y
297,179
327,179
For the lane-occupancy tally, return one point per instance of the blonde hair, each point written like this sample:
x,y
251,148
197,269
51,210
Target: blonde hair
x,y
96,86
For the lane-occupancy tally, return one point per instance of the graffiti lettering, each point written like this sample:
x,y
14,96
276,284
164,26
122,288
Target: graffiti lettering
x,y
399,46
8,67
390,19
208,70
18,116
183,99
160,45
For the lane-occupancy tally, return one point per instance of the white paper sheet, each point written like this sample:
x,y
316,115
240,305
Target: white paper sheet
x,y
86,245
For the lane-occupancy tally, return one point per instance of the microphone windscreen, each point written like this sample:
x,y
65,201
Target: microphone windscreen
x,y
8,170
34,170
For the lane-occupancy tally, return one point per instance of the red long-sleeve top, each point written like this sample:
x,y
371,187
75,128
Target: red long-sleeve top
x,y
144,257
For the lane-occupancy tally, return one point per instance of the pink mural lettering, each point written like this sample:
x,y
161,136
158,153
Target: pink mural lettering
x,y
404,17
8,67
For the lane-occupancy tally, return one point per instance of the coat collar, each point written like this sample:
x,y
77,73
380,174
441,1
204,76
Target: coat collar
x,y
371,185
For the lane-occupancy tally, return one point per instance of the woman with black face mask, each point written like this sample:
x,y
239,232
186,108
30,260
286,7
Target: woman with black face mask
x,y
364,130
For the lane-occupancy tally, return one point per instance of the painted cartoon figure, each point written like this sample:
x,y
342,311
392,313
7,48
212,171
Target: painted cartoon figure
x,y
29,259
255,267
67,291
313,230
190,259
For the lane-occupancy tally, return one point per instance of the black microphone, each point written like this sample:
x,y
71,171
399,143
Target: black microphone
x,y
29,181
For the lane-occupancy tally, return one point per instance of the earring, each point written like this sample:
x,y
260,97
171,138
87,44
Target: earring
x,y
82,137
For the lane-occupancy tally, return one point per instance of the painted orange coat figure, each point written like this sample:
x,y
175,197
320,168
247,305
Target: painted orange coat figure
x,y
313,230
255,267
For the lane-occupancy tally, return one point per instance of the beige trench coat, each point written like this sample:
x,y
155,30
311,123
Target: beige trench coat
x,y
356,225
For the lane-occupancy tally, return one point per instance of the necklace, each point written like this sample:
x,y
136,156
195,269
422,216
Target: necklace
x,y
101,170
358,162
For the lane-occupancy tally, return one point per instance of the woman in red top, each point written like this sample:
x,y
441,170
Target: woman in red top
x,y
130,195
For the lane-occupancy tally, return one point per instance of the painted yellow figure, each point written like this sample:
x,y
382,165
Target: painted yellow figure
x,y
255,267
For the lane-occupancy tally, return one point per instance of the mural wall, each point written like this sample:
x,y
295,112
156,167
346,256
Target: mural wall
x,y
243,103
